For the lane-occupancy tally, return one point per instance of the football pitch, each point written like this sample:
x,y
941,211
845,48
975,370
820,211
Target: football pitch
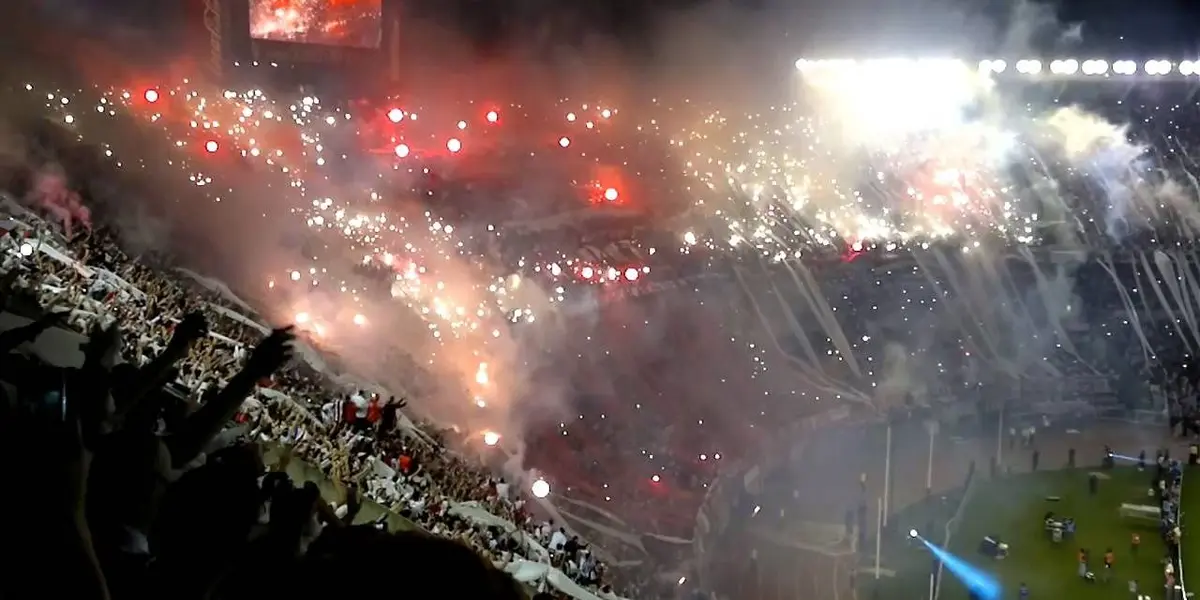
x,y
1013,509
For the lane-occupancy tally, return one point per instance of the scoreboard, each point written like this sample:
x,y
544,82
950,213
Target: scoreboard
x,y
321,38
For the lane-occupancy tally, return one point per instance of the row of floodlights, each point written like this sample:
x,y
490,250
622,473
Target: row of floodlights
x,y
1067,66
1070,66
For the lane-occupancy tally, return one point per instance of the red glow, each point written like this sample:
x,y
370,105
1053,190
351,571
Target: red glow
x,y
852,251
493,116
611,194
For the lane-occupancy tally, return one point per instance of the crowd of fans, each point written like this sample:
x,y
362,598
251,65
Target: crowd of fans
x,y
152,333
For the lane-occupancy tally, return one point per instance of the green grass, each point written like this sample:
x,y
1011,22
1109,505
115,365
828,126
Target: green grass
x,y
1190,548
1013,508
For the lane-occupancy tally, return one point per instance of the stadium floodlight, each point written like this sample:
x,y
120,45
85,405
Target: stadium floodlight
x,y
1029,66
1187,67
1095,67
992,65
1124,67
1064,67
1157,67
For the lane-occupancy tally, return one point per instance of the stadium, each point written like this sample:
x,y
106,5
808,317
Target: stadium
x,y
761,350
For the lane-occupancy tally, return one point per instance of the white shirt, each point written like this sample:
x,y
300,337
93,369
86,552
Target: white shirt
x,y
502,490
360,406
557,540
417,506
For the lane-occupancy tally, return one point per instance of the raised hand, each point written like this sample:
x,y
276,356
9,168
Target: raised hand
x,y
103,347
193,327
272,353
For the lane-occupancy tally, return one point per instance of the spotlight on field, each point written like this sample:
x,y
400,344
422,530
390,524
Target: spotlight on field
x,y
982,585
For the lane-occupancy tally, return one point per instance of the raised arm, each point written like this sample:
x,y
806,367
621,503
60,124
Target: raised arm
x,y
207,422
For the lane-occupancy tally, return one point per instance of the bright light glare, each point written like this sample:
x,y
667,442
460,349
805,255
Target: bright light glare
x,y
611,194
912,533
151,96
211,146
564,141
880,102
493,116
395,115
402,150
1124,67
540,489
1095,67
491,438
454,145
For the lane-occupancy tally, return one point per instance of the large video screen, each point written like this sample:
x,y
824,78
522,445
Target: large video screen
x,y
356,23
